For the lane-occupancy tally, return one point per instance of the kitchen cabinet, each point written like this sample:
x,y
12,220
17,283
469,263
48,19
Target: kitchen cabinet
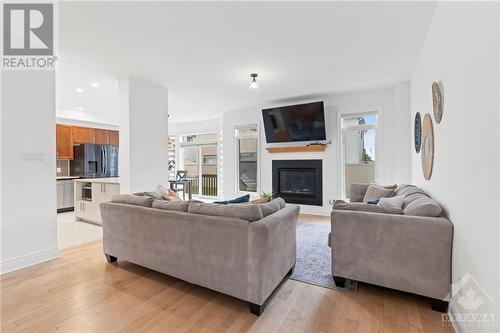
x,y
101,136
102,192
85,210
64,142
114,137
90,193
83,134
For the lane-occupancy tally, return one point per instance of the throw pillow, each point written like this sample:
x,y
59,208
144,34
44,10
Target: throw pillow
x,y
242,199
373,202
269,208
375,192
394,202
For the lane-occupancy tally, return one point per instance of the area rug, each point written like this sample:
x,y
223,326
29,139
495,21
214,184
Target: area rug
x,y
313,264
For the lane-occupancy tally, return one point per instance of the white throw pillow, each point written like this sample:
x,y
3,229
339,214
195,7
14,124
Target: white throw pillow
x,y
394,202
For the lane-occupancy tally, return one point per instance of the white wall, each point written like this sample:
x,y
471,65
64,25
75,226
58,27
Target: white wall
x,y
143,160
86,118
461,51
28,216
393,141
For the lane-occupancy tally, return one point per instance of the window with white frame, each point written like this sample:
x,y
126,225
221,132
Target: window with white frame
x,y
171,157
247,161
358,147
199,160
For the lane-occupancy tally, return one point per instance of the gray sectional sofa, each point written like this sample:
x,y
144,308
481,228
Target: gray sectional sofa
x,y
240,250
408,250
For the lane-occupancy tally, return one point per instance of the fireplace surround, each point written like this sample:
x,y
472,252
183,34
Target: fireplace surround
x,y
298,181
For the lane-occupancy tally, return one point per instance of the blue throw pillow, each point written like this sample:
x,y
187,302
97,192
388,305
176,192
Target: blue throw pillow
x,y
242,199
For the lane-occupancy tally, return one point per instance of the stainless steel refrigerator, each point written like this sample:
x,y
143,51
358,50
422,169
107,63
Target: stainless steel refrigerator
x,y
94,161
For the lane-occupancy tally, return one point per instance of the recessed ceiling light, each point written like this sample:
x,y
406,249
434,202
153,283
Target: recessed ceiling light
x,y
253,84
94,84
79,90
80,108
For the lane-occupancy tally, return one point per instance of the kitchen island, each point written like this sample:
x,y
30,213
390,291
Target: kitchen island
x,y
90,193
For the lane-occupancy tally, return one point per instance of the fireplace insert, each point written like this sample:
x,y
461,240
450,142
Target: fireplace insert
x,y
298,181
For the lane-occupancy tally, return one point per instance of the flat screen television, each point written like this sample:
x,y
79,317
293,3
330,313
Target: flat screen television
x,y
302,122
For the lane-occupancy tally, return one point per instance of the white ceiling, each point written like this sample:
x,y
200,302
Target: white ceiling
x,y
204,52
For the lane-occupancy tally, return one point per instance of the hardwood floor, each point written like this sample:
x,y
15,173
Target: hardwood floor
x,y
81,292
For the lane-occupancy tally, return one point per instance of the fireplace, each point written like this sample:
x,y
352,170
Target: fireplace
x,y
298,181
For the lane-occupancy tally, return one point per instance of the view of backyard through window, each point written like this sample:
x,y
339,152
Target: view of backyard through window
x,y
358,136
199,160
246,145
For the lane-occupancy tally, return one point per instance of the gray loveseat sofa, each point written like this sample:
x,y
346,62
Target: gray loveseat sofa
x,y
243,251
409,250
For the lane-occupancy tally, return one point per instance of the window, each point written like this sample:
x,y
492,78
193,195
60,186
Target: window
x,y
199,160
246,150
358,146
171,157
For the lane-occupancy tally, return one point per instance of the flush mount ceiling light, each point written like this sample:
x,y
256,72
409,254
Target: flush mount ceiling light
x,y
79,90
253,83
94,84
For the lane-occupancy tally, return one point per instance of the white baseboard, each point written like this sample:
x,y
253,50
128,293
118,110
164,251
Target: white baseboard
x,y
451,311
28,260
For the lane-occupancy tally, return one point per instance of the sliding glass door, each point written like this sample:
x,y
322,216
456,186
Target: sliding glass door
x,y
199,160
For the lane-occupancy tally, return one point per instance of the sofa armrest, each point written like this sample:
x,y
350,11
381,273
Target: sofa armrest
x,y
271,251
409,253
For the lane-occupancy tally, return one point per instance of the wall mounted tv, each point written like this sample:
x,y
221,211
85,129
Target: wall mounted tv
x,y
303,122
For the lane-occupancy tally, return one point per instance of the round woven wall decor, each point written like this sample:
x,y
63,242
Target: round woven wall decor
x,y
417,132
437,101
427,146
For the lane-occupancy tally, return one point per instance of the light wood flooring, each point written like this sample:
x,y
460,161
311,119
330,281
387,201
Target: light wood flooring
x,y
81,292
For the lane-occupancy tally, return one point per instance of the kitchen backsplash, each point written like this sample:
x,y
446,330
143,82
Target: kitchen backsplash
x,y
63,167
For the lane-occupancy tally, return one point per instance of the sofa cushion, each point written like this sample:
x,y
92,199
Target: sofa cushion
x,y
357,192
407,190
375,192
178,205
245,212
365,207
423,206
269,208
132,199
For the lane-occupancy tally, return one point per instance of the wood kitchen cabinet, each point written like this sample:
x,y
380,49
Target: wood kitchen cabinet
x,y
64,142
114,137
101,136
83,134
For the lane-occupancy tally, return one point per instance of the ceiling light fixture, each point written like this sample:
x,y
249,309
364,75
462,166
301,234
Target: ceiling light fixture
x,y
80,108
94,84
253,84
79,90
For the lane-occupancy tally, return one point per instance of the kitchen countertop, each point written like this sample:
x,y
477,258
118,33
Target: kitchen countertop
x,y
66,177
108,180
